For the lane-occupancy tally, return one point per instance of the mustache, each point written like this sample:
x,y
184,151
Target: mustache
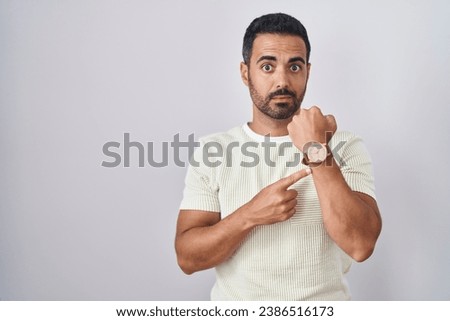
x,y
282,92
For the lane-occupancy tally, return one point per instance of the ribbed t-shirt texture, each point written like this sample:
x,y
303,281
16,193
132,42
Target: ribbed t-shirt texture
x,y
291,260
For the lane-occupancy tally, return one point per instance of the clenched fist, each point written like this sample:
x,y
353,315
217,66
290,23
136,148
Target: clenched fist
x,y
311,125
275,203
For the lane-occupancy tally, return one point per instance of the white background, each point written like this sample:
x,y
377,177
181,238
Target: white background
x,y
77,74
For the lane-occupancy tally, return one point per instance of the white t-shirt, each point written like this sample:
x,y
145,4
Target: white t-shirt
x,y
290,260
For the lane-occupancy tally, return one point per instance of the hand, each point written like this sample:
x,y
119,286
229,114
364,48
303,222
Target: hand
x,y
275,203
311,125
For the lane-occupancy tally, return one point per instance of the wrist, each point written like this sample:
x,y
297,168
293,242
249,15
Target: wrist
x,y
316,153
244,219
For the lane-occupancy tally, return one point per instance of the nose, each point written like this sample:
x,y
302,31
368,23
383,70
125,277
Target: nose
x,y
281,79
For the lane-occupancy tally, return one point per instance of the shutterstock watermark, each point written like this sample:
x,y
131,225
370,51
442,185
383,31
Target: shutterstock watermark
x,y
213,154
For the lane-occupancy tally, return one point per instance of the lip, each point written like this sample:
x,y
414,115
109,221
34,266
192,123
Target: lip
x,y
282,97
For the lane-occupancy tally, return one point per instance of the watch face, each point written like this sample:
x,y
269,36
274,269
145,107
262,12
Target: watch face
x,y
316,152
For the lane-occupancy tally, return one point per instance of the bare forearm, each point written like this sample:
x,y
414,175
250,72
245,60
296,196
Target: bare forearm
x,y
201,248
348,219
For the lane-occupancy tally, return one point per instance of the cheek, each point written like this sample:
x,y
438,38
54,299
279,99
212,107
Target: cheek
x,y
299,78
260,79
300,84
264,86
259,85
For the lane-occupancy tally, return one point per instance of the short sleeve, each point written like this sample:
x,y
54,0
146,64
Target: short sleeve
x,y
354,160
200,191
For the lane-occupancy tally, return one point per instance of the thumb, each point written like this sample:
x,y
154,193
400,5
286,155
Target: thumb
x,y
287,181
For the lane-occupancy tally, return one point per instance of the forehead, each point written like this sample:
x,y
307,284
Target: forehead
x,y
278,45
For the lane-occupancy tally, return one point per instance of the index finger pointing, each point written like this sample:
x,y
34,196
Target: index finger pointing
x,y
293,178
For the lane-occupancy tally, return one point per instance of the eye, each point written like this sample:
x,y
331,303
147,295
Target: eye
x,y
295,68
267,68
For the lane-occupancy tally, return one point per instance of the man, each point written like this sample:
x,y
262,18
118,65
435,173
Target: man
x,y
277,228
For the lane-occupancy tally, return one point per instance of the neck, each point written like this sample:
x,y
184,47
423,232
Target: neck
x,y
263,124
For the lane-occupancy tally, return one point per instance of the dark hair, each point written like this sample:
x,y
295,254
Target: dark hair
x,y
277,23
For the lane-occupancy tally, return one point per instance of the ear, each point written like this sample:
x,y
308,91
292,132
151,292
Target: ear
x,y
244,73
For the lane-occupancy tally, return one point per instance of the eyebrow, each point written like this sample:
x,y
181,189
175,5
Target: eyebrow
x,y
272,58
294,59
266,58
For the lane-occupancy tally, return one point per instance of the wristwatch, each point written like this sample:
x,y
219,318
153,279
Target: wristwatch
x,y
315,153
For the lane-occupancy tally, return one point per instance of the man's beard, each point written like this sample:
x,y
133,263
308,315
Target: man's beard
x,y
282,110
